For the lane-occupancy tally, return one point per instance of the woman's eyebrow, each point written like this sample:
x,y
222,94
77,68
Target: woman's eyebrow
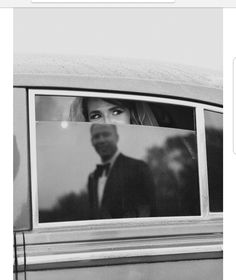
x,y
95,112
115,107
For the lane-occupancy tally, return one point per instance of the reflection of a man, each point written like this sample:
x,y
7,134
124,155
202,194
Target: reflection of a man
x,y
120,186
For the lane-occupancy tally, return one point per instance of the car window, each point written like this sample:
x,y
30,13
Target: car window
x,y
214,144
70,108
155,173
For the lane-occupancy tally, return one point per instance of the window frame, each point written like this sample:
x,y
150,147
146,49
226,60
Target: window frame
x,y
134,224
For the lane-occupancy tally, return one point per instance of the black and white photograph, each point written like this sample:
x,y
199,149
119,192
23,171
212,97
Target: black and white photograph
x,y
118,143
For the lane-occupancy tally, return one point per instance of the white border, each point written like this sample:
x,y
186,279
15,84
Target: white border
x,y
138,221
229,20
234,103
119,4
6,151
103,1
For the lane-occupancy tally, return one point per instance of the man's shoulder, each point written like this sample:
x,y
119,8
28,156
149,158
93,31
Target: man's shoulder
x,y
132,161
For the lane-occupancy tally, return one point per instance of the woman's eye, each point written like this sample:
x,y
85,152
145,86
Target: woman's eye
x,y
94,116
117,111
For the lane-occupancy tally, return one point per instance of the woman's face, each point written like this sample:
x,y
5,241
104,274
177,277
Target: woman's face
x,y
100,111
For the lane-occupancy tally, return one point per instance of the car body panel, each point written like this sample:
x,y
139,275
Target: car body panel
x,y
144,77
188,248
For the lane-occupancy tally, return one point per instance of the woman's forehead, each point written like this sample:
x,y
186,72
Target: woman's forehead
x,y
101,104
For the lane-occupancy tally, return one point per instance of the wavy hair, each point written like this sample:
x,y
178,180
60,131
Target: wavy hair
x,y
140,112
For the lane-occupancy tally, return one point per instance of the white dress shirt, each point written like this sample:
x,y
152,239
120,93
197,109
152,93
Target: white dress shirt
x,y
103,178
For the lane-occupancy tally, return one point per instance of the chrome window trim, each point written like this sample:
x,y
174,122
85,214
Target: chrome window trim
x,y
202,161
33,159
214,215
53,261
121,223
127,96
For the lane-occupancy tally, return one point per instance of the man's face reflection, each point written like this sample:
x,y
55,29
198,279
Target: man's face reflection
x,y
104,139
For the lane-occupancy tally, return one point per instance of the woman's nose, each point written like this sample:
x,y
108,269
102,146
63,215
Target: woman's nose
x,y
107,119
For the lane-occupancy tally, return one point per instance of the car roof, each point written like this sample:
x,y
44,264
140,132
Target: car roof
x,y
119,75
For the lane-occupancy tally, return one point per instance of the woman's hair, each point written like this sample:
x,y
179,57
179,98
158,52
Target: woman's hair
x,y
140,112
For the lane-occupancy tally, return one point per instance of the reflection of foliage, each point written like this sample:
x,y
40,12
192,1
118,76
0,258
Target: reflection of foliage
x,y
70,207
214,139
174,167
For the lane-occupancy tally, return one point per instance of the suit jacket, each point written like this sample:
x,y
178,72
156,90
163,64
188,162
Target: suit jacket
x,y
129,191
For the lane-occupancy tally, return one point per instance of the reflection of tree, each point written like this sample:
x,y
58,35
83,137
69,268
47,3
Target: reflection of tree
x,y
214,139
70,207
174,167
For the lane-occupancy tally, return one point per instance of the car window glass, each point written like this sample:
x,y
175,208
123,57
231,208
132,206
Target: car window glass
x,y
159,178
214,142
69,108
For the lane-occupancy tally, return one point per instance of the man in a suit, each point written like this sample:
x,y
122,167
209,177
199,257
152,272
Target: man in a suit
x,y
120,187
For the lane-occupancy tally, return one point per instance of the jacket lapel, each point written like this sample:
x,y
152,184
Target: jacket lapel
x,y
112,182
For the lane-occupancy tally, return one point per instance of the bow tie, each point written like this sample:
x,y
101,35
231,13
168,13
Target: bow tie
x,y
100,169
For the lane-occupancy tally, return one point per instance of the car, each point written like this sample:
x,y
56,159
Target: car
x,y
54,237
